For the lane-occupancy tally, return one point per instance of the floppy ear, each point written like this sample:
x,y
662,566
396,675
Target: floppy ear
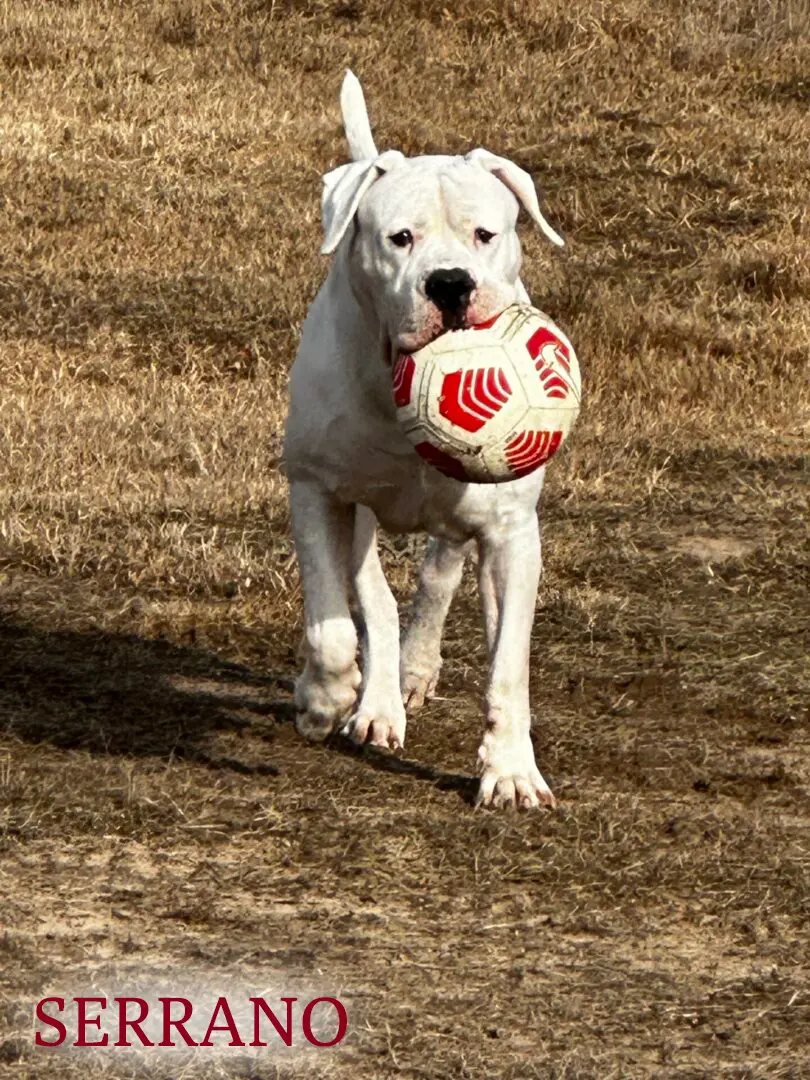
x,y
519,183
343,188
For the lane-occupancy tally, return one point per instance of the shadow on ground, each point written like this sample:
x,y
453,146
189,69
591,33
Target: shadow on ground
x,y
123,694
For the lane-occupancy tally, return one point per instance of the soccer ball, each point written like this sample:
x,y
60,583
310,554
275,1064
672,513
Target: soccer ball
x,y
493,402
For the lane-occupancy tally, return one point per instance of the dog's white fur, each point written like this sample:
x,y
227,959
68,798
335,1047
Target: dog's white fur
x,y
350,466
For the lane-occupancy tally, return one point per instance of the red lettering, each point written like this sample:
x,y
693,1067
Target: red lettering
x,y
124,1022
84,1021
51,1021
168,1023
229,1025
261,1004
306,1023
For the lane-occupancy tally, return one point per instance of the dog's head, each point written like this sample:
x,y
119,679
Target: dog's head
x,y
431,241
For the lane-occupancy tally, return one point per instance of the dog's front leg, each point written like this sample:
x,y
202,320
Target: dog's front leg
x,y
327,688
509,574
380,717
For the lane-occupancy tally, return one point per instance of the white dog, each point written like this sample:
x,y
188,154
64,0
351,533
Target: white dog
x,y
421,245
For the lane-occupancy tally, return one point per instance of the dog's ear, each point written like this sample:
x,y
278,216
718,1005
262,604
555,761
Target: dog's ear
x,y
519,183
355,119
343,188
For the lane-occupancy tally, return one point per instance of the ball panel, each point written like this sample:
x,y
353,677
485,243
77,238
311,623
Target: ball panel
x,y
441,407
552,362
468,399
528,450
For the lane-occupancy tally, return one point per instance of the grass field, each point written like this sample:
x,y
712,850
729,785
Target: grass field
x,y
159,818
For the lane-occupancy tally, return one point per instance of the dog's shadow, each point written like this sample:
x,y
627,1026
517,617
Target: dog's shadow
x,y
385,761
121,694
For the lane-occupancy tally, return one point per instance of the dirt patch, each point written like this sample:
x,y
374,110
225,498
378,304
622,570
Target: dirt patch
x,y
711,549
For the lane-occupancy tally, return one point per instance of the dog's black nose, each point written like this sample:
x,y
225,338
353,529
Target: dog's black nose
x,y
450,290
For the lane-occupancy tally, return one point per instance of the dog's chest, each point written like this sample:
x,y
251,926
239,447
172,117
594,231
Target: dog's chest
x,y
391,481
379,469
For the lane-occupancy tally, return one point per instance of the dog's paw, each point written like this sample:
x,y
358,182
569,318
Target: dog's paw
x,y
315,727
509,776
418,686
522,791
323,702
377,727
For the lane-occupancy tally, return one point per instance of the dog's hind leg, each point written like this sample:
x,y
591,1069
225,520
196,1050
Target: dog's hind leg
x,y
421,659
380,716
327,688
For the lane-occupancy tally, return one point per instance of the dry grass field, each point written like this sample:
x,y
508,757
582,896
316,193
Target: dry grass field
x,y
159,818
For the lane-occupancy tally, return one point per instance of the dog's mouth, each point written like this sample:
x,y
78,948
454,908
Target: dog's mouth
x,y
413,342
454,320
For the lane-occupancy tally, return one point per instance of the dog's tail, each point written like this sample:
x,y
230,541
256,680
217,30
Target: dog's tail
x,y
355,119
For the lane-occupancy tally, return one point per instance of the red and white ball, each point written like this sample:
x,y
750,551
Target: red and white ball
x,y
491,403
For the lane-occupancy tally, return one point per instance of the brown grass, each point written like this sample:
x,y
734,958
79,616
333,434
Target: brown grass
x,y
159,184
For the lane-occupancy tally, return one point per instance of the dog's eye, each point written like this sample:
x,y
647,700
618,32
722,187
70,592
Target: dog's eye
x,y
484,235
403,238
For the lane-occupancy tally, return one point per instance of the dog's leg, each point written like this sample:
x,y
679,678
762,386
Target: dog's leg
x,y
421,650
327,687
509,574
380,717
